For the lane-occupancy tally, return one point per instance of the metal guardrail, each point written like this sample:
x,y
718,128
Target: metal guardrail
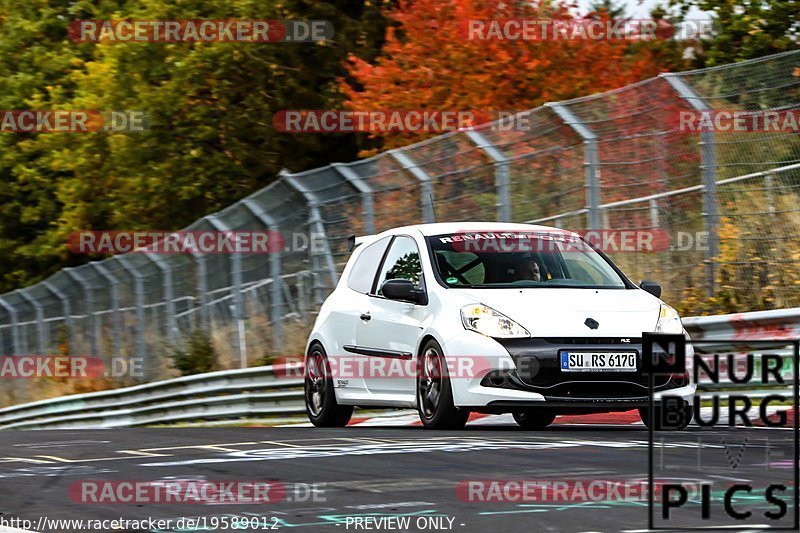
x,y
224,395
267,392
778,324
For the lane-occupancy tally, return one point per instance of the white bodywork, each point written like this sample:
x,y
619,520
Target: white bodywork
x,y
404,327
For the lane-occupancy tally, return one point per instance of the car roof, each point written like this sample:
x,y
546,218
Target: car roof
x,y
442,228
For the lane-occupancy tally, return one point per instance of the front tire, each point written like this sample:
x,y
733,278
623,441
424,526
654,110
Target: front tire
x,y
321,406
435,393
534,419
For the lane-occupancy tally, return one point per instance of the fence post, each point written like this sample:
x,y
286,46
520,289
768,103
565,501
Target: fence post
x,y
591,160
302,299
169,300
501,178
708,168
116,341
41,341
138,280
236,292
654,222
276,296
90,310
315,223
67,310
426,183
769,186
15,347
366,195
202,290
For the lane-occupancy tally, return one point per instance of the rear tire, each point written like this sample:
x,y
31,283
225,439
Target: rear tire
x,y
321,406
684,419
534,419
435,393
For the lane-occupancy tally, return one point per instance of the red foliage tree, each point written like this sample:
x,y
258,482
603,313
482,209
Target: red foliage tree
x,y
429,62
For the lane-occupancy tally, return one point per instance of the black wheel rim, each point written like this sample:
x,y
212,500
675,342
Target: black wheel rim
x,y
315,383
430,382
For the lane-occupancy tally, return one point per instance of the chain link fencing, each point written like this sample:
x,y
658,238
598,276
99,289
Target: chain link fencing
x,y
620,160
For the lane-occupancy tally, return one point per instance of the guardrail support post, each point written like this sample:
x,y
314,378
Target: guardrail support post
x,y
315,224
426,183
366,195
116,341
501,178
591,160
89,306
708,168
276,296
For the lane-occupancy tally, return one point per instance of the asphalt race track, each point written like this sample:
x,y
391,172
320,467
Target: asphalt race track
x,y
372,472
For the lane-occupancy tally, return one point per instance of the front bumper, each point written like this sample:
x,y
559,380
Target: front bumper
x,y
531,376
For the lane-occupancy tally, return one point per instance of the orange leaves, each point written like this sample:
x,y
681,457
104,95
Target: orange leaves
x,y
430,60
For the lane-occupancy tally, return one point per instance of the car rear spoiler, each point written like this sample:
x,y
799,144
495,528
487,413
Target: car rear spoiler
x,y
353,241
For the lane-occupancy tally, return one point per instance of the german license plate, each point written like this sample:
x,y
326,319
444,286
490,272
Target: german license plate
x,y
598,361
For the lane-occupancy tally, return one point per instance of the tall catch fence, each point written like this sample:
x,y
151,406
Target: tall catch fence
x,y
728,200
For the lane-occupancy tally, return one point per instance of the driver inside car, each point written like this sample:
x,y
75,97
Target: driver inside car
x,y
529,270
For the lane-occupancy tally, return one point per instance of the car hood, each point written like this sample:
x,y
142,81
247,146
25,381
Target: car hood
x,y
562,312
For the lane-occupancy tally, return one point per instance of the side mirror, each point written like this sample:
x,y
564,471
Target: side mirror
x,y
403,290
652,287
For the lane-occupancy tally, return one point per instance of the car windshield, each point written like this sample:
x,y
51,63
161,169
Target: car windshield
x,y
520,259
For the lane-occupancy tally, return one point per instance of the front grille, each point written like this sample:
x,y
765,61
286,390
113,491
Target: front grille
x,y
538,367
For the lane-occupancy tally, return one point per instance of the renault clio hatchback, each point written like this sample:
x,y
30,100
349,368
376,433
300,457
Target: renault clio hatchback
x,y
453,318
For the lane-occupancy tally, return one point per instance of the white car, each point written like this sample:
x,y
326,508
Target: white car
x,y
453,318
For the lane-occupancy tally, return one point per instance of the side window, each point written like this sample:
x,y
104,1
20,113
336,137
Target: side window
x,y
402,262
363,272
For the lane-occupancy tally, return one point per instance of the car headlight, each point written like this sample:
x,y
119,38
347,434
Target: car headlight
x,y
487,321
668,320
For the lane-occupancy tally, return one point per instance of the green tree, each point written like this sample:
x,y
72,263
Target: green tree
x,y
196,357
745,29
210,105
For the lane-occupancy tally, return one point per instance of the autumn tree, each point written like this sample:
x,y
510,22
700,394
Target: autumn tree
x,y
429,61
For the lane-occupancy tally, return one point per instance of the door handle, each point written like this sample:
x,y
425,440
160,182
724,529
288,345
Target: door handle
x,y
366,316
